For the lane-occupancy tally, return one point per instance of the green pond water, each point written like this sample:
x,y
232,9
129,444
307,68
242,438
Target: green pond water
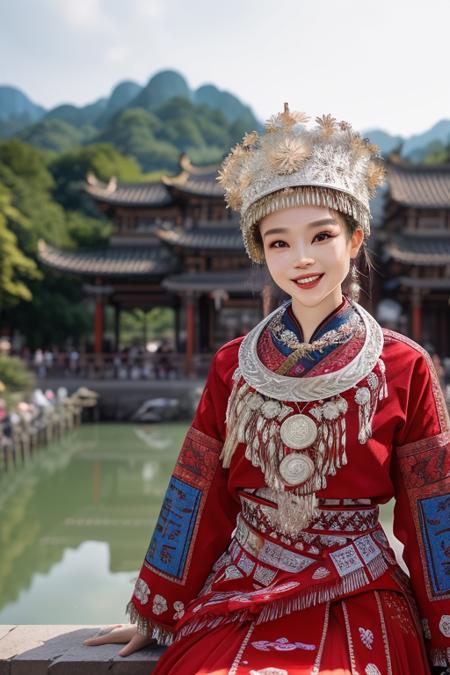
x,y
76,520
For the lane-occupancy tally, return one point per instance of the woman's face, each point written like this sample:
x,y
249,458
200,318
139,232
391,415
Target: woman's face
x,y
308,252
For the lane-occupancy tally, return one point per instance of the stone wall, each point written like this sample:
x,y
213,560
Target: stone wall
x,y
59,650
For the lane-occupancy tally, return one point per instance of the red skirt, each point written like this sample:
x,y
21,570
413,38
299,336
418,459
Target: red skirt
x,y
371,633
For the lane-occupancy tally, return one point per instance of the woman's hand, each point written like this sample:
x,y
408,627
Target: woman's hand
x,y
121,633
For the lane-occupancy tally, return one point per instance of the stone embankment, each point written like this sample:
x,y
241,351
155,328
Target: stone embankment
x,y
59,650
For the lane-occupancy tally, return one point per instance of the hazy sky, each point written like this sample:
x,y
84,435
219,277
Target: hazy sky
x,y
382,63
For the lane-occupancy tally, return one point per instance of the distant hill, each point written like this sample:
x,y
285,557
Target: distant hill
x,y
122,94
231,106
78,116
155,122
385,141
16,111
14,102
152,124
161,88
415,148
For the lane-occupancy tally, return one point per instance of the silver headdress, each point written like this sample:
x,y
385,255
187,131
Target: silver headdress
x,y
292,165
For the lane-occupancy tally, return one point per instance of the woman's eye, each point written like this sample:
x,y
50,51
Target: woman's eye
x,y
277,244
322,236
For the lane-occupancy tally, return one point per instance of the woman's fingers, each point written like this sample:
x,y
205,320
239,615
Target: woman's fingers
x,y
137,642
118,633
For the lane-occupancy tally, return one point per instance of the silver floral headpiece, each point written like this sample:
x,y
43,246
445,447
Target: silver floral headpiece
x,y
292,165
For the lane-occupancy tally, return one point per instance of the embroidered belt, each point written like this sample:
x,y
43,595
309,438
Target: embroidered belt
x,y
264,579
255,554
338,521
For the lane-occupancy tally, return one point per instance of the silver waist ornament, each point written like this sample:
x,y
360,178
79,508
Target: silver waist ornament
x,y
259,414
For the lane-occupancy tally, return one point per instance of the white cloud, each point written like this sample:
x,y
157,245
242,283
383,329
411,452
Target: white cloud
x,y
117,54
371,63
148,9
84,14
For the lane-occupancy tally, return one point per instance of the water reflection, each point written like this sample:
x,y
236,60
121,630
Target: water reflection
x,y
75,521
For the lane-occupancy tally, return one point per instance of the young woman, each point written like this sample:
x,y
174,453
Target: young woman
x,y
268,557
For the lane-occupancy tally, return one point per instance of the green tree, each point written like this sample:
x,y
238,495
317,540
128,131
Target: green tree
x,y
56,310
437,153
57,313
87,232
56,134
69,173
24,171
136,132
15,267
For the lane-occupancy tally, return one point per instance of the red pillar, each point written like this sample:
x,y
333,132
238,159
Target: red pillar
x,y
98,328
190,333
417,318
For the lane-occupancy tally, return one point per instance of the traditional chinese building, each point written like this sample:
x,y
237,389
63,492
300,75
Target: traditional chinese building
x,y
414,244
175,245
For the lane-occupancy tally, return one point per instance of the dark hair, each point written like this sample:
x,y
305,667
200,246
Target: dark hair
x,y
363,262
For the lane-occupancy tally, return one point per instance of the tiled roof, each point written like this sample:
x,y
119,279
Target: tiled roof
x,y
205,188
195,180
203,184
132,261
131,194
224,238
420,250
234,281
419,186
439,284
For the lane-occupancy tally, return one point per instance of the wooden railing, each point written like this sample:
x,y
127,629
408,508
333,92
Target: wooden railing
x,y
170,366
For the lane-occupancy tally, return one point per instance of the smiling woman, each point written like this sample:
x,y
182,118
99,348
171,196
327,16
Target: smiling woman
x,y
308,251
268,555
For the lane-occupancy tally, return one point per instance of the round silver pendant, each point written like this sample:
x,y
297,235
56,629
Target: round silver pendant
x,y
298,432
296,469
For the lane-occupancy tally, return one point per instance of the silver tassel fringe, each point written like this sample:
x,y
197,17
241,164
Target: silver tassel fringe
x,y
162,635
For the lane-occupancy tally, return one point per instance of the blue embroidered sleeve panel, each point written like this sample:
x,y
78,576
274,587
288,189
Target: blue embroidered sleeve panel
x,y
421,474
197,516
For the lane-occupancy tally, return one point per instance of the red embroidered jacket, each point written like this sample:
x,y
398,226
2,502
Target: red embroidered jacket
x,y
407,457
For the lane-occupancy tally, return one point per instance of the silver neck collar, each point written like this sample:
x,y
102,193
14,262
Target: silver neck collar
x,y
288,388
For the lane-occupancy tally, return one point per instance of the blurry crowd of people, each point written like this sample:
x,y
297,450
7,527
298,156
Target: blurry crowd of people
x,y
41,419
131,363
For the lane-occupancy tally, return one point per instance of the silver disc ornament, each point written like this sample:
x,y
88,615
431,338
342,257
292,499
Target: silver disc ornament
x,y
295,468
298,432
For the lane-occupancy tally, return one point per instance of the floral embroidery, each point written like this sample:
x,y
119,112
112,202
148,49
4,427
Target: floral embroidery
x,y
179,609
399,612
159,604
232,572
246,564
371,669
269,671
366,637
346,560
141,591
264,575
444,625
320,573
281,645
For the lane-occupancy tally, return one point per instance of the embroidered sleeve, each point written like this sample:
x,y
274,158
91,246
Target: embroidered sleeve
x,y
194,525
421,473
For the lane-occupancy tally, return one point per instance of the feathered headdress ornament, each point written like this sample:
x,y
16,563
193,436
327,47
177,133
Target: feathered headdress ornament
x,y
292,164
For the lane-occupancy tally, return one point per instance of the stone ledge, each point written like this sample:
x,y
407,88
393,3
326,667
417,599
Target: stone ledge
x,y
59,650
